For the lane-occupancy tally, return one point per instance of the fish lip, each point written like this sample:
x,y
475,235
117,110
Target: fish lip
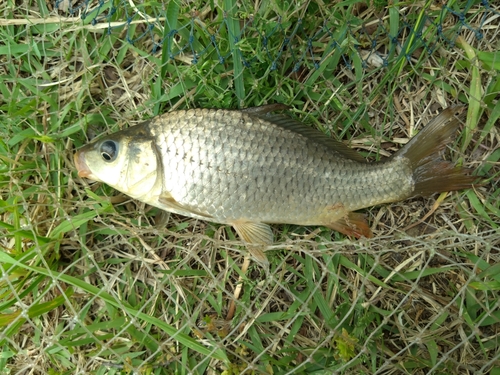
x,y
81,165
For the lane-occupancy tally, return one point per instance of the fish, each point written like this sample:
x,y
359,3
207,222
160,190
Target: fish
x,y
252,168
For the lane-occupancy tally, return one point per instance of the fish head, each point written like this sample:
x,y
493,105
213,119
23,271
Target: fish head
x,y
125,161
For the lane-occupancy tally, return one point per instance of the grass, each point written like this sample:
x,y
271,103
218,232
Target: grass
x,y
93,282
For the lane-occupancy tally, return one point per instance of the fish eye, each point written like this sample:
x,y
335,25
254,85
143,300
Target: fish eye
x,y
108,151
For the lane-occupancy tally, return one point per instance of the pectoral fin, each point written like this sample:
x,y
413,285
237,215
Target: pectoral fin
x,y
170,203
254,233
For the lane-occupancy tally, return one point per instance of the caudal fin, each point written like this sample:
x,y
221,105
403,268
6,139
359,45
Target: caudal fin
x,y
431,174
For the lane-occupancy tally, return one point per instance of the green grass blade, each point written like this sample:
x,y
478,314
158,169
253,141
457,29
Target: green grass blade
x,y
182,338
233,28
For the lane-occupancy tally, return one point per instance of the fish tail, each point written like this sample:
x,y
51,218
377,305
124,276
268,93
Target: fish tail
x,y
431,174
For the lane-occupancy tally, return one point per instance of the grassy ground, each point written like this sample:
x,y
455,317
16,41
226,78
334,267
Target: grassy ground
x,y
93,282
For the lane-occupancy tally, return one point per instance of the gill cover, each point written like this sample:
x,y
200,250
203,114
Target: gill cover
x,y
128,164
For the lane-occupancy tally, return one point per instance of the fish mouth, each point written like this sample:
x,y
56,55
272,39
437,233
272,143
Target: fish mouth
x,y
81,166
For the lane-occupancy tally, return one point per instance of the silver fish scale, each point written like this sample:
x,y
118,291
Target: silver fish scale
x,y
233,165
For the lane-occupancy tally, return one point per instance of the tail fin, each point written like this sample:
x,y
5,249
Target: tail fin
x,y
431,174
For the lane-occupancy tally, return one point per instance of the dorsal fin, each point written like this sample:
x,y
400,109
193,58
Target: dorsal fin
x,y
265,109
313,134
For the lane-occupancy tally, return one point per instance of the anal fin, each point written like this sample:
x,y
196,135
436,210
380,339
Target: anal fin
x,y
354,224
